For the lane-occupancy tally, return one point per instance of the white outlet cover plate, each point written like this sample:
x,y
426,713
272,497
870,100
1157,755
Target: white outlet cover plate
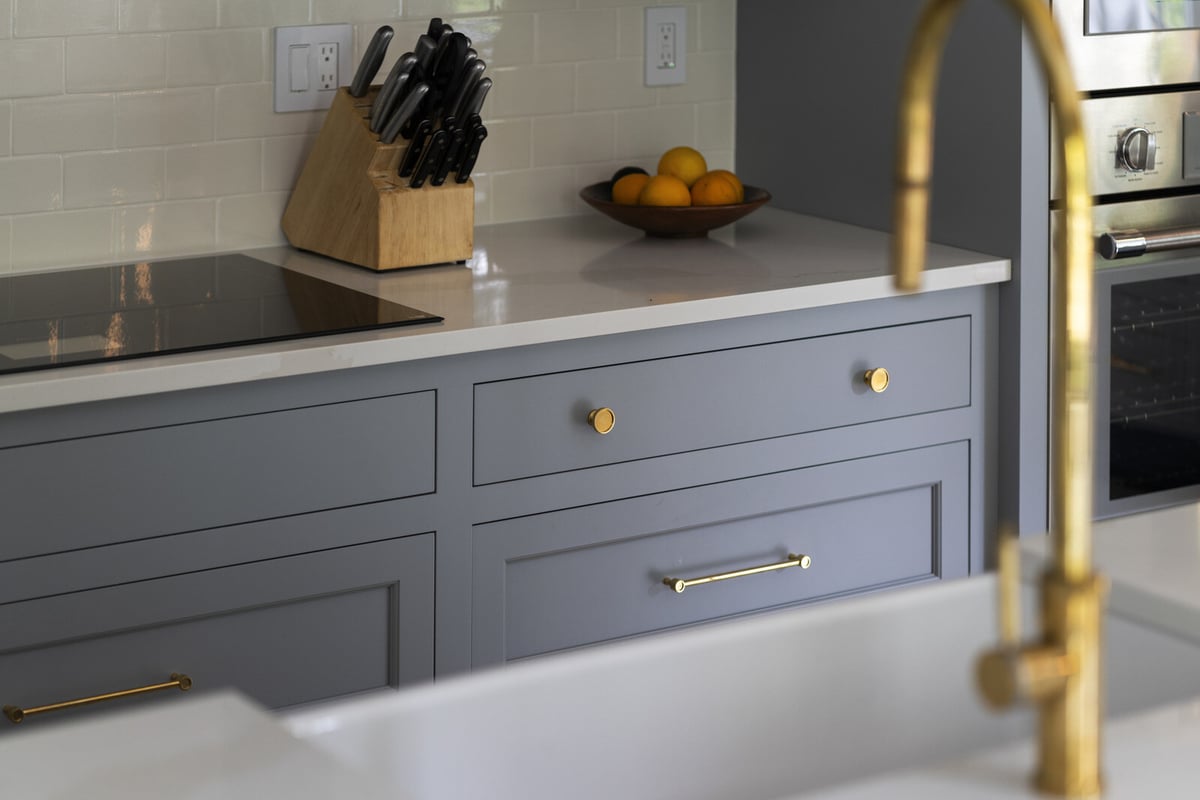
x,y
665,15
313,36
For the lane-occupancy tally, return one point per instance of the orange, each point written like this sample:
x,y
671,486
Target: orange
x,y
684,163
626,190
713,189
741,190
665,190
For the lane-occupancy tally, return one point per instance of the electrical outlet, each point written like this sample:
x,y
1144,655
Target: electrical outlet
x,y
327,66
311,62
666,45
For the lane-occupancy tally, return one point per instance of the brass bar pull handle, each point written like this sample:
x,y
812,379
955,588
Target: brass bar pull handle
x,y
178,681
793,560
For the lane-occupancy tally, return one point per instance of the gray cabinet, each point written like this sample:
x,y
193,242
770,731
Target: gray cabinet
x,y
309,537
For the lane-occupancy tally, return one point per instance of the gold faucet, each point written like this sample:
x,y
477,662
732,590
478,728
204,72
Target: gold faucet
x,y
1059,672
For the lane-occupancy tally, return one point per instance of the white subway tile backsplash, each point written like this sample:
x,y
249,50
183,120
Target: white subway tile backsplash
x,y
715,126
531,91
216,57
577,35
62,125
572,139
30,184
165,116
336,11
5,244
509,146
250,220
283,158
263,13
64,239
613,85
166,15
534,194
145,128
213,170
501,41
649,132
5,128
112,178
63,17
113,63
32,67
165,229
244,110
717,25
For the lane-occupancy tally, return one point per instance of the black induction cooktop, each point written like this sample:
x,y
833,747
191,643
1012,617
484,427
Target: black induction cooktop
x,y
101,314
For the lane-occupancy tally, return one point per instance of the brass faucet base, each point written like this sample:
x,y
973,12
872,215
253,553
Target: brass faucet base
x,y
1069,720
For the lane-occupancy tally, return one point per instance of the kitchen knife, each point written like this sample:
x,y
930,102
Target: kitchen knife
x,y
457,137
424,49
458,95
471,153
413,154
435,27
392,91
430,159
372,58
402,114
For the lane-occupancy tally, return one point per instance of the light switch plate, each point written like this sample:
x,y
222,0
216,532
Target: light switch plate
x,y
311,62
666,45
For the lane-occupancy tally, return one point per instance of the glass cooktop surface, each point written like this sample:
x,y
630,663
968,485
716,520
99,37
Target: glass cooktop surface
x,y
101,314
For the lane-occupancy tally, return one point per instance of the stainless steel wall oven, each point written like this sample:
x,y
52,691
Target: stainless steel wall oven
x,y
1138,64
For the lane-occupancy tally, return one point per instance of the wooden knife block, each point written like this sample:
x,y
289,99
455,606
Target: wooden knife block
x,y
350,202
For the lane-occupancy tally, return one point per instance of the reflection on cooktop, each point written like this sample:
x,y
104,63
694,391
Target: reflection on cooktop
x,y
101,314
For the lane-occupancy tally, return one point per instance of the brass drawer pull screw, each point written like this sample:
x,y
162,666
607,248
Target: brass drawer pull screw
x,y
602,420
878,379
178,681
793,560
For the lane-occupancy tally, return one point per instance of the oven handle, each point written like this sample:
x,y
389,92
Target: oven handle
x,y
1130,243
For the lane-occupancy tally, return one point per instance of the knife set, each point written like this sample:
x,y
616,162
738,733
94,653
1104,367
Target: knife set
x,y
387,184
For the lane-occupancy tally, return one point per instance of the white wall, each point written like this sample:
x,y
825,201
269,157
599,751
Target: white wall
x,y
143,128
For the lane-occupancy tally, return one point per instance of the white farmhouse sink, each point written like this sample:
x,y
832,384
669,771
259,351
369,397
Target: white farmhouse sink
x,y
754,709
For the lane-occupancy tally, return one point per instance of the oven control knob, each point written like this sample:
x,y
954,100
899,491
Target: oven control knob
x,y
1136,149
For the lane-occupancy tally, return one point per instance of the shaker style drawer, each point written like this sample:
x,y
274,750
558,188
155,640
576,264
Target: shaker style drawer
x,y
545,424
283,631
567,578
130,485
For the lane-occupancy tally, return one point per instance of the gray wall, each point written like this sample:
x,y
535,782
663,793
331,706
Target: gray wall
x,y
817,94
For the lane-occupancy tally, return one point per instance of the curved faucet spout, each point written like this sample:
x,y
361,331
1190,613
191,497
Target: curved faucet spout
x,y
1071,592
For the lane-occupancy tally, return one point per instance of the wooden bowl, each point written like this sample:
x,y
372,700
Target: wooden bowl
x,y
682,222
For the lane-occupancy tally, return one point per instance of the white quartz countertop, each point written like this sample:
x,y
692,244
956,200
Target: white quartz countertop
x,y
544,281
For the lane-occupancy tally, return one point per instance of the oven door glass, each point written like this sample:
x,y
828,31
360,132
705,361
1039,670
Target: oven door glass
x,y
1153,406
1130,16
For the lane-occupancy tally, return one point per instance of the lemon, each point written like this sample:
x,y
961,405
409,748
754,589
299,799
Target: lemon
x,y
684,163
714,189
626,190
665,190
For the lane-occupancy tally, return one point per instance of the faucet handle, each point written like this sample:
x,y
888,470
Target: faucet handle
x,y
1008,577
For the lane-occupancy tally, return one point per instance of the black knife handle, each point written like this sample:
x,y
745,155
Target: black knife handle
x,y
435,27
457,137
478,134
420,136
429,159
372,58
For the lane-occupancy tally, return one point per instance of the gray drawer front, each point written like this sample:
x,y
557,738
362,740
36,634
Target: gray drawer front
x,y
538,425
136,484
284,631
573,577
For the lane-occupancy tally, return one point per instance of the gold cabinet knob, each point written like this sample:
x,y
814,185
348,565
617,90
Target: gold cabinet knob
x,y
602,420
877,379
